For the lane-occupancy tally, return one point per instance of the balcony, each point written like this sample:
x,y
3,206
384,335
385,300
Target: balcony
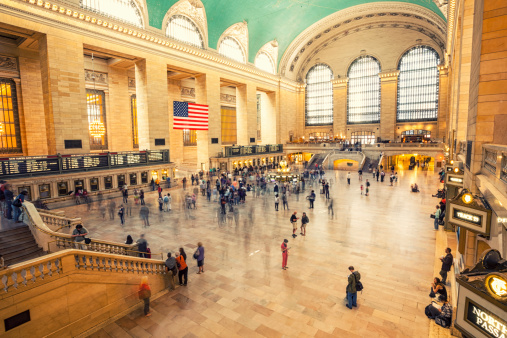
x,y
494,162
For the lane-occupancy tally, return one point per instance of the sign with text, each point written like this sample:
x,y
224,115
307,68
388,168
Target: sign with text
x,y
485,321
476,219
454,179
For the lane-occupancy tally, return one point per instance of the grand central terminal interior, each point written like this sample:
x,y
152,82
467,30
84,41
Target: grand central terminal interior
x,y
240,168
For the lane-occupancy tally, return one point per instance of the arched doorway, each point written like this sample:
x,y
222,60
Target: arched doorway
x,y
346,164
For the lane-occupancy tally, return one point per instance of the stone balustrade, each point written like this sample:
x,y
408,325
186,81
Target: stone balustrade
x,y
52,241
58,222
56,265
494,162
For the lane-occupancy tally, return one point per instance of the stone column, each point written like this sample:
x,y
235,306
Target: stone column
x,y
388,96
269,120
340,107
152,103
63,87
443,108
176,135
207,91
119,115
246,113
35,141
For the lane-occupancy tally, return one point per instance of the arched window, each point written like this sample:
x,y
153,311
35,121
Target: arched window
x,y
183,29
10,134
230,48
363,99
319,96
418,85
263,62
122,10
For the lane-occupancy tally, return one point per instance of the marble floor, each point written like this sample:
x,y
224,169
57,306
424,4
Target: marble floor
x,y
387,236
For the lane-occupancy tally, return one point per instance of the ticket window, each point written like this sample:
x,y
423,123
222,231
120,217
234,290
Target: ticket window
x,y
144,177
78,185
94,184
154,175
63,188
108,182
121,181
44,191
133,179
164,174
28,190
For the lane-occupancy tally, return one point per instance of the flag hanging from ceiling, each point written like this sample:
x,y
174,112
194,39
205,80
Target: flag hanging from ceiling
x,y
191,116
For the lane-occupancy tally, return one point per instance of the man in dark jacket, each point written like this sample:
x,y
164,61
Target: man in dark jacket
x,y
9,196
304,222
172,269
446,265
354,277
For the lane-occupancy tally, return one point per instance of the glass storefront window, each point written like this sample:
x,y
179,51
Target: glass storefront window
x,y
94,184
133,179
44,191
144,177
108,182
63,188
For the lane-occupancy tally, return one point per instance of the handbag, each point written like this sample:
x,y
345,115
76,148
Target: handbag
x,y
196,254
87,240
432,216
359,285
17,203
144,293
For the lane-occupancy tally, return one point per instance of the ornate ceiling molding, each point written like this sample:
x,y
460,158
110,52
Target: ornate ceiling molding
x,y
305,60
347,19
194,10
238,31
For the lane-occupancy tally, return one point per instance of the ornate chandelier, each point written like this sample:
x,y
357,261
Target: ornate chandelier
x,y
97,129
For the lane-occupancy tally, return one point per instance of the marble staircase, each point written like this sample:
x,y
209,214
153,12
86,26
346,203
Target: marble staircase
x,y
17,244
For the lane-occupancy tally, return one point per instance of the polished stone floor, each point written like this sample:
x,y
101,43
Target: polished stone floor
x,y
388,236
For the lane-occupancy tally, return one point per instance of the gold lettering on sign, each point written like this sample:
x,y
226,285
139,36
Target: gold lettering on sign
x,y
467,217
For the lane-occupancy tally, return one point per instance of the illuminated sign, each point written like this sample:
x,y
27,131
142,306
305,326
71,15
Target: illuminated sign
x,y
456,179
485,321
496,285
467,217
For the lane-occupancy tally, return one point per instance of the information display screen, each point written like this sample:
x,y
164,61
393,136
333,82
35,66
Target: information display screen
x,y
28,165
71,162
124,160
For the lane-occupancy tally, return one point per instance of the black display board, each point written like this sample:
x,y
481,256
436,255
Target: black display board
x,y
29,165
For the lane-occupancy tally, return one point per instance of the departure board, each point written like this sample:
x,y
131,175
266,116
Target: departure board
x,y
28,165
127,159
87,162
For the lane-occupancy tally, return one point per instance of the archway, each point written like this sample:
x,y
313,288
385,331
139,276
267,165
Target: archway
x,y
346,164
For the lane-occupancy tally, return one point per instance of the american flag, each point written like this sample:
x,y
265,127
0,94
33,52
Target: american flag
x,y
191,116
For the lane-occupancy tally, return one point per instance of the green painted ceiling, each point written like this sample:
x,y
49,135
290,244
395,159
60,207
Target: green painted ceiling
x,y
267,19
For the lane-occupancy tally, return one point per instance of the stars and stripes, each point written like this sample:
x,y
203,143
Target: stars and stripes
x,y
191,116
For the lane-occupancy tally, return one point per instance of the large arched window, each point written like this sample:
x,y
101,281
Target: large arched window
x,y
363,99
418,85
230,48
10,134
183,29
319,96
122,10
264,62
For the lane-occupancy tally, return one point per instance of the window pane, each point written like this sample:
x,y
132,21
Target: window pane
x,y
183,29
189,137
230,48
96,107
363,99
121,10
319,96
418,85
135,134
228,125
259,117
363,137
10,136
264,62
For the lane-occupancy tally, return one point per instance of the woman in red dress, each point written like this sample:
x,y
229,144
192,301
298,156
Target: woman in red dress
x,y
285,254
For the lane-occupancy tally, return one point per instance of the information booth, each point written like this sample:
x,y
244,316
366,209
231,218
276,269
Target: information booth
x,y
482,298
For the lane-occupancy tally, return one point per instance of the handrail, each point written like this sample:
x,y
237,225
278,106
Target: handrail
x,y
44,235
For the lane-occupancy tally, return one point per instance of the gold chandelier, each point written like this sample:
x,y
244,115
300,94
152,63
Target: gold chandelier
x,y
97,129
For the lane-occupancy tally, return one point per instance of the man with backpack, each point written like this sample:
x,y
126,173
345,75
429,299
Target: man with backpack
x,y
353,286
294,221
17,203
311,198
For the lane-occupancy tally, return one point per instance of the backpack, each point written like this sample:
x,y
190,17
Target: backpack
x,y
166,199
17,203
359,285
148,253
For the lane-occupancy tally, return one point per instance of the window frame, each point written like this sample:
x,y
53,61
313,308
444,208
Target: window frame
x,y
93,144
322,84
366,88
362,135
6,139
271,63
189,20
415,90
189,138
135,125
88,5
222,53
232,138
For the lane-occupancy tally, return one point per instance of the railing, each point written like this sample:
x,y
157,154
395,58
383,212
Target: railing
x,y
58,222
54,241
494,161
403,145
55,265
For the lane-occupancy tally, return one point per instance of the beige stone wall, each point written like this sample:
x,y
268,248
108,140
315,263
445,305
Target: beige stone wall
x,y
176,136
119,114
388,104
288,114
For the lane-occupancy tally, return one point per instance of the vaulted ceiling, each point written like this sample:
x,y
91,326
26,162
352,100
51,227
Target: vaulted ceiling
x,y
282,20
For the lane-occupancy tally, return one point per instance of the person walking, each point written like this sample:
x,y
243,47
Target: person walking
x,y
79,234
377,174
145,294
360,171
382,176
294,222
112,209
200,257
285,254
17,203
367,187
362,189
166,203
330,207
437,217
326,190
181,261
142,246
284,201
172,269
160,201
144,213
348,178
277,201
121,213
125,195
447,262
353,278
311,198
9,197
304,222
141,196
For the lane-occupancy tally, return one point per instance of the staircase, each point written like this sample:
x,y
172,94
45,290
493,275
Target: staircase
x,y
316,159
17,245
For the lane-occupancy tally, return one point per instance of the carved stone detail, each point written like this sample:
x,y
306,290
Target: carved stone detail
x,y
8,63
188,92
239,31
100,78
193,9
226,98
132,82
